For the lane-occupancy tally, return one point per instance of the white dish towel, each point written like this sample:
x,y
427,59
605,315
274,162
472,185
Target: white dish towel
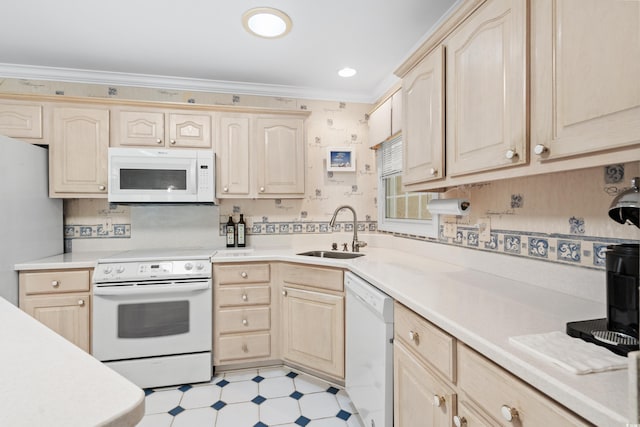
x,y
573,354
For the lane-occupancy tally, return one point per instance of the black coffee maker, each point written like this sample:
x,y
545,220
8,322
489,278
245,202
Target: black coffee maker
x,y
619,331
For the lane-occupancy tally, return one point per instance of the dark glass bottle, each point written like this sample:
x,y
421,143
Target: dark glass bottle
x,y
230,230
242,232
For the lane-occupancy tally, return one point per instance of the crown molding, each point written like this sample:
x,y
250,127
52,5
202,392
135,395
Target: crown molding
x,y
72,75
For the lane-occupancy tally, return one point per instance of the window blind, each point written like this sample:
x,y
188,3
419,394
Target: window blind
x,y
391,153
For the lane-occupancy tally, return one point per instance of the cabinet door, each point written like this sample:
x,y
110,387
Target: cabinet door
x,y
380,124
78,152
313,330
280,156
67,315
189,130
20,120
139,128
396,112
585,88
234,156
420,399
486,89
423,115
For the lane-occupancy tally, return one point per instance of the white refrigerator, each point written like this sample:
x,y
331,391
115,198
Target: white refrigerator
x,y
30,222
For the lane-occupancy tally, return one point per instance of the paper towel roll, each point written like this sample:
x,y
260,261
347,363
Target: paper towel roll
x,y
449,206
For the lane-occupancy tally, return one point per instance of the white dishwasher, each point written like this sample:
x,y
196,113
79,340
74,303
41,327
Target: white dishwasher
x,y
369,351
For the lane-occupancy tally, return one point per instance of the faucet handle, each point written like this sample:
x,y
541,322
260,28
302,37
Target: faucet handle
x,y
334,246
345,247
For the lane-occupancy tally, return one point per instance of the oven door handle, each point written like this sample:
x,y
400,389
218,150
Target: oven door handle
x,y
149,289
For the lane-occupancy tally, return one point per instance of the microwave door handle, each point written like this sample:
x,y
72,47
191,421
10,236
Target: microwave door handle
x,y
149,289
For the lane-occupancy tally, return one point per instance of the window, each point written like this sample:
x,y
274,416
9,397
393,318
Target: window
x,y
400,211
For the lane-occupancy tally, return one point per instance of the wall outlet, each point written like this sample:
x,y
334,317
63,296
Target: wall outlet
x,y
484,229
450,229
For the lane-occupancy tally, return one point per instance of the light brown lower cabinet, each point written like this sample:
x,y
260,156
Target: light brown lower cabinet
x,y
61,300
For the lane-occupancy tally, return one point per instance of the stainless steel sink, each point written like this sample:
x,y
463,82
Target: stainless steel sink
x,y
332,254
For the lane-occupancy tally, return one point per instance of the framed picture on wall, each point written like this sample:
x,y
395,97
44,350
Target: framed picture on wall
x,y
341,159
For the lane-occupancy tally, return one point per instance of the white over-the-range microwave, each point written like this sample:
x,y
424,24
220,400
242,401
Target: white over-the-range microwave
x,y
140,175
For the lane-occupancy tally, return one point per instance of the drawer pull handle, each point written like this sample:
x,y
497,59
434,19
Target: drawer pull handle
x,y
158,141
438,401
509,413
540,149
245,349
55,283
459,421
510,154
244,297
173,142
245,322
81,302
244,275
284,293
413,336
262,189
101,187
433,171
225,189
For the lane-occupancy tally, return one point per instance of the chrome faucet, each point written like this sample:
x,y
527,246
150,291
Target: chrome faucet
x,y
356,244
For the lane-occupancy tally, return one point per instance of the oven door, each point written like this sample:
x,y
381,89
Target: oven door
x,y
147,319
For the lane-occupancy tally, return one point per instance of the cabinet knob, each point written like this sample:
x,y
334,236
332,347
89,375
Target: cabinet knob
x,y
244,275
284,293
81,302
55,283
158,141
245,322
509,413
459,421
245,349
413,336
225,189
433,171
244,297
511,154
102,187
540,149
173,142
262,189
438,401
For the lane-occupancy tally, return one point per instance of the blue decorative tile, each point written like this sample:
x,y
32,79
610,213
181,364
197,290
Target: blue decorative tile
x,y
517,201
472,239
538,248
184,388
373,226
512,244
292,374
69,230
332,390
576,225
175,411
599,254
297,228
148,391
361,227
271,228
257,379
613,174
302,421
348,227
458,239
324,228
101,231
85,231
492,244
568,251
120,230
258,399
343,415
311,228
296,395
337,227
284,228
256,229
113,91
218,405
222,383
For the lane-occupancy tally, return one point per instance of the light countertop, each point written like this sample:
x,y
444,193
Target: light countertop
x,y
45,380
481,300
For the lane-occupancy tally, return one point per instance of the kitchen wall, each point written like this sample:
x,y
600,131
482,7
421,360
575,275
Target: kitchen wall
x,y
560,217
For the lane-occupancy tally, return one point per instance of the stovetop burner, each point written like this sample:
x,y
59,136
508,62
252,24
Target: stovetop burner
x,y
596,331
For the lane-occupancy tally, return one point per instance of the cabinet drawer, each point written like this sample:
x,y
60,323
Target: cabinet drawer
x,y
235,347
243,295
245,273
435,346
55,281
244,320
494,390
318,277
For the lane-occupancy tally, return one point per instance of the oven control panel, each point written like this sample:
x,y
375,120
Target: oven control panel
x,y
151,270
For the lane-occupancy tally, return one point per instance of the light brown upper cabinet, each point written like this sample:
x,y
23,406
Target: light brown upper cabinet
x,y
585,77
22,120
423,134
78,152
233,155
486,82
135,127
386,119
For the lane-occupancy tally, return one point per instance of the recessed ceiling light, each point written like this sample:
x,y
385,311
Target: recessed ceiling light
x,y
347,72
266,22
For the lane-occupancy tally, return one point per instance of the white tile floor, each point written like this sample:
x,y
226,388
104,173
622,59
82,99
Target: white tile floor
x,y
264,397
